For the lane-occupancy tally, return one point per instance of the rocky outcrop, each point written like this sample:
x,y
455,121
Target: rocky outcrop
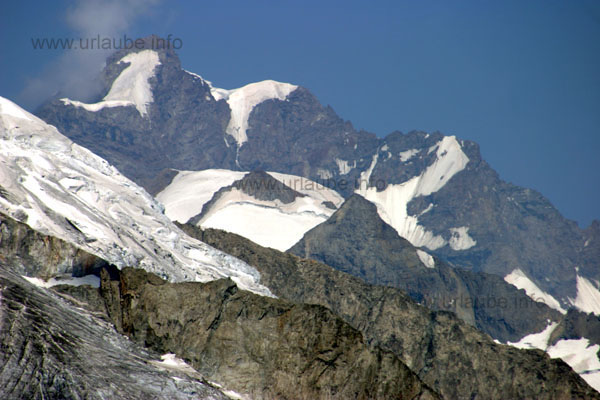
x,y
355,240
263,347
577,325
31,253
452,357
52,350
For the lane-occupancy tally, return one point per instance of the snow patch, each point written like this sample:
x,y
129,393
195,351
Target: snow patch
x,y
408,154
365,176
344,166
131,87
392,202
426,258
588,296
243,100
518,279
460,239
536,340
91,280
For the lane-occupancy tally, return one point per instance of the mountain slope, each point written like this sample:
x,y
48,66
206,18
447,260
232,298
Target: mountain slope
x,y
356,241
61,189
452,357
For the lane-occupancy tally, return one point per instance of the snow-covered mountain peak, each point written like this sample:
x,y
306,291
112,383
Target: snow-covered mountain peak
x,y
61,189
131,87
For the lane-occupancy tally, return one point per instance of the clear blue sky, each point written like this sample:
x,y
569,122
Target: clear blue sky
x,y
521,78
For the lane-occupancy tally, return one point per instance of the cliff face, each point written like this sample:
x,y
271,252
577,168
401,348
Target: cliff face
x,y
263,347
31,253
452,357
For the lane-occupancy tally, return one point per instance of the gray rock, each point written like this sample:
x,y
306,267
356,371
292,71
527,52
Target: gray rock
x,y
451,356
260,346
52,350
355,240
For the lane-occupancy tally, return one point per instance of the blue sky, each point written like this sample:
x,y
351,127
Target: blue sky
x,y
521,78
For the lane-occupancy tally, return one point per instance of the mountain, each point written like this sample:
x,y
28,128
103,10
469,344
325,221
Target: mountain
x,y
66,207
355,240
452,357
63,190
272,209
436,191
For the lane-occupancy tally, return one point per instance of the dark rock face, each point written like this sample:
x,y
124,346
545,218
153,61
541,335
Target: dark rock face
x,y
185,127
355,240
51,350
257,184
577,325
31,253
264,347
452,357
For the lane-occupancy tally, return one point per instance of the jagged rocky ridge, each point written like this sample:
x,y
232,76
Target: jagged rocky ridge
x,y
263,347
355,240
474,219
452,357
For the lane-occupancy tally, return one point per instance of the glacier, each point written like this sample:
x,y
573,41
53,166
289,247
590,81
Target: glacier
x,y
62,189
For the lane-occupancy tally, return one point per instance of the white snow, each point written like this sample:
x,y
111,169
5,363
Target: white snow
x,y
131,87
460,239
408,154
61,189
518,279
536,340
578,353
392,202
365,176
268,223
91,280
7,107
344,166
190,190
426,258
243,100
588,296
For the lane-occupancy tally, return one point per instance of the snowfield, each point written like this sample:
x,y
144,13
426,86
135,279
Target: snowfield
x,y
268,223
61,189
578,353
131,87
